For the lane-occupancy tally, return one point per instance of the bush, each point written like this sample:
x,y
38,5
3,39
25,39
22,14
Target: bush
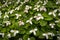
x,y
29,19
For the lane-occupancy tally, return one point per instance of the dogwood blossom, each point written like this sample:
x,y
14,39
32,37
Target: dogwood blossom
x,y
27,8
2,34
7,23
43,9
17,15
53,13
15,32
30,20
38,17
6,15
33,31
21,23
9,35
52,25
11,11
47,34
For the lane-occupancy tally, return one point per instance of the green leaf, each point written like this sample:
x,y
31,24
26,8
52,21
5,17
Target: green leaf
x,y
48,18
58,25
43,23
25,37
32,38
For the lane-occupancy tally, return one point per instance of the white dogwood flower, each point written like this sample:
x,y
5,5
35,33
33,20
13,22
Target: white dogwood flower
x,y
15,32
0,14
20,38
11,11
27,8
2,34
38,17
59,14
36,7
46,35
43,9
28,38
53,13
52,25
26,0
6,15
30,20
57,21
17,15
7,23
9,35
21,23
33,31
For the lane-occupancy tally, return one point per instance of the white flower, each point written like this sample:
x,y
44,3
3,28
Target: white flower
x,y
53,13
11,11
7,23
43,9
21,23
59,14
17,8
50,34
33,31
6,15
27,8
46,35
20,38
36,7
52,25
0,14
26,0
2,34
14,31
38,17
57,21
28,38
45,2
17,15
9,35
18,1
30,20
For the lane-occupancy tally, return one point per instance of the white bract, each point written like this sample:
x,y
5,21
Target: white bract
x,y
26,0
59,14
53,13
43,9
28,38
17,15
57,21
0,14
47,34
11,11
6,15
21,23
33,31
52,25
38,17
36,7
27,8
17,8
20,38
7,23
30,20
2,34
45,2
15,32
9,35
